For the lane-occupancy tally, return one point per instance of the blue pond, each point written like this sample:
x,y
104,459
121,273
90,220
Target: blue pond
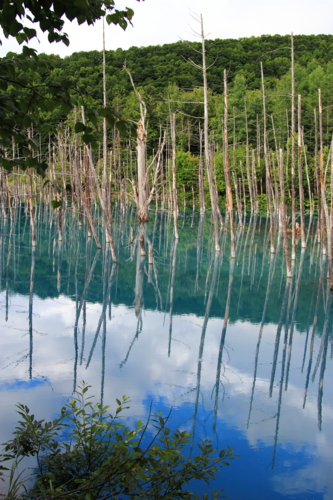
x,y
241,354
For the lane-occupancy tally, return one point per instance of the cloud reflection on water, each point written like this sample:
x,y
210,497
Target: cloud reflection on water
x,y
149,372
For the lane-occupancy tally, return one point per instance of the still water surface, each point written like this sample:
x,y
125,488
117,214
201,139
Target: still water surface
x,y
241,354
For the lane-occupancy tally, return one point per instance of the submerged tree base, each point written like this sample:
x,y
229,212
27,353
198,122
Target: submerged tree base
x,y
142,215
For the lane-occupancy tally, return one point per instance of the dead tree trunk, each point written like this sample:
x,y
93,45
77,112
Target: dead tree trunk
x,y
201,176
142,202
105,193
174,174
254,183
249,183
269,193
208,159
322,178
293,199
300,174
81,195
284,216
107,221
142,206
227,169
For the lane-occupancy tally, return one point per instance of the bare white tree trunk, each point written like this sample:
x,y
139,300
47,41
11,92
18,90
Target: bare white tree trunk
x,y
174,173
284,216
142,207
105,193
201,176
269,193
208,159
32,223
326,217
293,200
300,175
254,183
81,195
227,168
142,202
107,221
249,183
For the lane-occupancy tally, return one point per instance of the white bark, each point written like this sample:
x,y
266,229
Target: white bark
x,y
174,174
208,159
142,201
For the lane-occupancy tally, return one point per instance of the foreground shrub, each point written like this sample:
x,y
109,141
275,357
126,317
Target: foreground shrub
x,y
87,453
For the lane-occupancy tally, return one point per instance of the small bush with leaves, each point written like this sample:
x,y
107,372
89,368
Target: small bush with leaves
x,y
101,458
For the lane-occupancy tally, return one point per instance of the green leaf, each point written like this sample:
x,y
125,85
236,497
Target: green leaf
x,y
55,204
3,85
33,143
20,38
79,127
30,32
121,126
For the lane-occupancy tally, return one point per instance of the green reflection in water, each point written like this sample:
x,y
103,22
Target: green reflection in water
x,y
231,344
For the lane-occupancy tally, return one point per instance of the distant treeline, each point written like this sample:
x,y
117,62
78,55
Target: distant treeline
x,y
169,82
156,67
165,72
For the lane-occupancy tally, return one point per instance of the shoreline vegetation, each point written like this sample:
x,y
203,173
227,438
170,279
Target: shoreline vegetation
x,y
88,453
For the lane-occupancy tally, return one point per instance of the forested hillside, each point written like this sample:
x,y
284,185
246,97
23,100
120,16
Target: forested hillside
x,y
165,73
170,81
157,67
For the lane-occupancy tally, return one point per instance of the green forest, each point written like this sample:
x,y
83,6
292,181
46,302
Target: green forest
x,y
169,82
166,77
259,75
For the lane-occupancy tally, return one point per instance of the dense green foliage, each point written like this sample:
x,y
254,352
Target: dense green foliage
x,y
163,72
168,82
157,67
27,101
101,458
49,16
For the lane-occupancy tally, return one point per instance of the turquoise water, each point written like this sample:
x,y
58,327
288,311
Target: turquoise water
x,y
242,355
